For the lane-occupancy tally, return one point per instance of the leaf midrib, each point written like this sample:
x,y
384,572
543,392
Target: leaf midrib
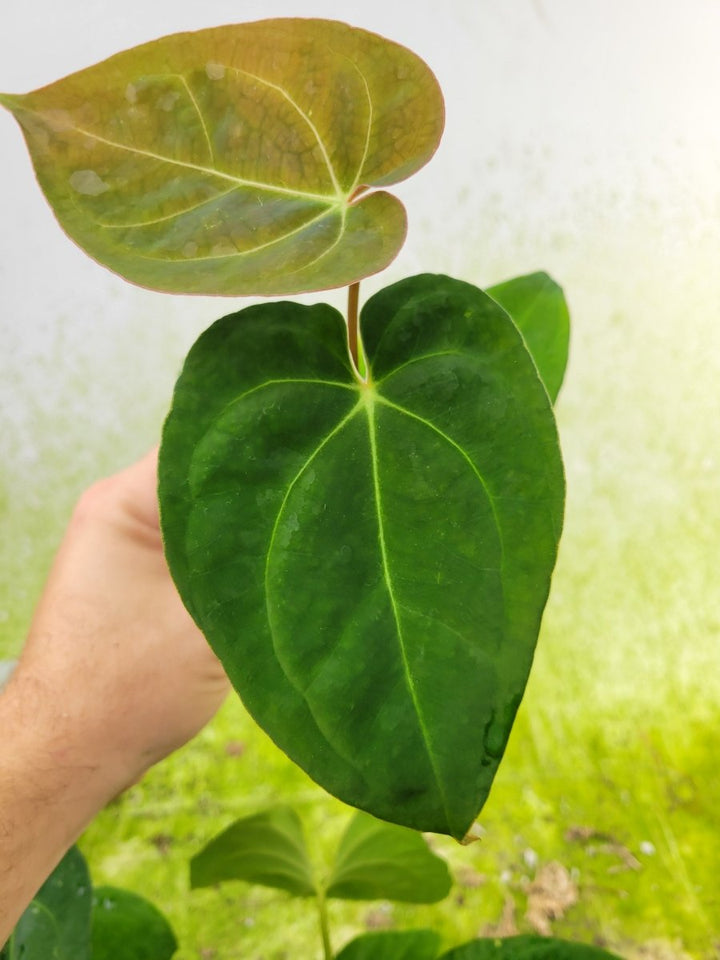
x,y
370,409
210,171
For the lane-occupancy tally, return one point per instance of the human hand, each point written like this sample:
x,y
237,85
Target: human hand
x,y
112,654
113,677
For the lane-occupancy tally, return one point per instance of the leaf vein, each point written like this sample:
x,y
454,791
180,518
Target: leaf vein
x,y
276,382
426,356
466,456
328,250
199,112
306,463
273,536
170,216
305,117
371,115
263,246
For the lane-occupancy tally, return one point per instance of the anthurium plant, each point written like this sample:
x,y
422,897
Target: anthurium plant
x,y
361,512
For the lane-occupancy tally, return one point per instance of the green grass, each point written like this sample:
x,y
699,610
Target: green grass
x,y
557,777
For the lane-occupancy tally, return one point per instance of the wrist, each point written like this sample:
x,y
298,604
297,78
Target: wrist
x,y
50,758
48,794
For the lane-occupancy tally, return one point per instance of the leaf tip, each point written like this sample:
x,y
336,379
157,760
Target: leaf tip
x,y
475,833
8,100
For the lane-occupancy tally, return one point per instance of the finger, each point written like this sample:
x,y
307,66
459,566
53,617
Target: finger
x,y
137,490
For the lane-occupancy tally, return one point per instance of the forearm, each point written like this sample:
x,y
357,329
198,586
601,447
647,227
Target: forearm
x,y
49,792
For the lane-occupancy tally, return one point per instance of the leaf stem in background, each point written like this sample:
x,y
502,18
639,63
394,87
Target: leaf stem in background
x,y
352,322
324,928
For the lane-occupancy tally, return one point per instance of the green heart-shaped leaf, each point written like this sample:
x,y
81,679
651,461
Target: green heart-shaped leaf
x,y
230,160
381,861
125,926
57,922
266,848
527,947
370,560
393,945
537,305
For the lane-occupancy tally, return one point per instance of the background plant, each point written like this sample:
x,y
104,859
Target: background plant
x,y
373,861
69,919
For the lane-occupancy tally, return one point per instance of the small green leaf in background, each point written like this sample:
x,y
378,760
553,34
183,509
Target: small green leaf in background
x,y
125,926
37,938
537,305
393,945
57,923
231,160
381,861
527,947
267,848
370,561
